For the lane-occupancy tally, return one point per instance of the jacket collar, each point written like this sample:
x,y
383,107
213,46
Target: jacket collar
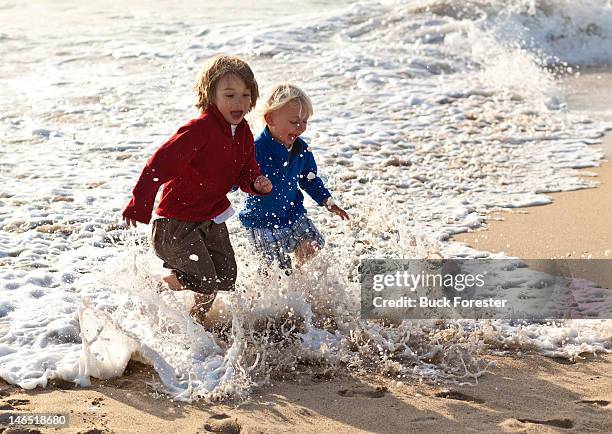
x,y
298,146
213,111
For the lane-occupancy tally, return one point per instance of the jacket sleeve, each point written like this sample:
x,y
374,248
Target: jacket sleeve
x,y
250,170
310,182
167,163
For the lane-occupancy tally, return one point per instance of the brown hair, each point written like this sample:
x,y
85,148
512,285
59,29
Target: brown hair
x,y
214,70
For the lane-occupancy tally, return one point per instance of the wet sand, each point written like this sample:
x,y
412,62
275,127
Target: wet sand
x,y
524,393
577,224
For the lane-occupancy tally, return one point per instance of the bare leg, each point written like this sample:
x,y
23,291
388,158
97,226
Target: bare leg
x,y
305,250
203,303
174,283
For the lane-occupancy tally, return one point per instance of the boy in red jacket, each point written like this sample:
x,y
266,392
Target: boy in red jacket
x,y
197,167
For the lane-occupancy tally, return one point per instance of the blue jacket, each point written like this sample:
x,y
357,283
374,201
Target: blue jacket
x,y
286,170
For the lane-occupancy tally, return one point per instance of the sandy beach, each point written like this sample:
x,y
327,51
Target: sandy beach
x,y
534,232
524,393
576,225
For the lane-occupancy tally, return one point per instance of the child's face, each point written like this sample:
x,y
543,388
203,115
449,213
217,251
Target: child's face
x,y
232,98
288,122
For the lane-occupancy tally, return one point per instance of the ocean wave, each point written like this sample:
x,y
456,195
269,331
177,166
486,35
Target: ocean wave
x,y
555,31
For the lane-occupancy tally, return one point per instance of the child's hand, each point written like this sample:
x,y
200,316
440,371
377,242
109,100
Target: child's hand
x,y
339,212
333,208
263,185
129,222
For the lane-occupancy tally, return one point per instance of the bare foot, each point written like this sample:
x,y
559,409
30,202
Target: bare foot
x,y
305,250
203,303
174,283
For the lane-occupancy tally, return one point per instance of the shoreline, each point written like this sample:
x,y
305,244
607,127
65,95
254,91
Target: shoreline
x,y
576,225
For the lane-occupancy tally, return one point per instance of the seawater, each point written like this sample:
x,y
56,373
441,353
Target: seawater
x,y
427,115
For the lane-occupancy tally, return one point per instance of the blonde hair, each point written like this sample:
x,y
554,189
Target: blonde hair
x,y
283,93
214,70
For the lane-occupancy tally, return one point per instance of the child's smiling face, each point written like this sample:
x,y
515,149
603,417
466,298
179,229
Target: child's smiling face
x,y
288,122
232,98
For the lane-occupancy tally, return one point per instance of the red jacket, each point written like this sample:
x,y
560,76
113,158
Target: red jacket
x,y
197,167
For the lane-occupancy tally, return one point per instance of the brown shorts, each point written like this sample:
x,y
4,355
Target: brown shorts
x,y
199,253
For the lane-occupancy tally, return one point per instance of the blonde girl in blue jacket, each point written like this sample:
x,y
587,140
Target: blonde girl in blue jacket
x,y
277,224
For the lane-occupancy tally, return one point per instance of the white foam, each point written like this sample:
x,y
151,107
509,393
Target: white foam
x,y
424,120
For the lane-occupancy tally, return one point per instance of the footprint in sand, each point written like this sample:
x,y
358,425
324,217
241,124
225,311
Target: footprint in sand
x,y
62,384
563,360
596,402
455,394
379,392
15,430
12,404
222,423
17,402
96,402
558,423
96,431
